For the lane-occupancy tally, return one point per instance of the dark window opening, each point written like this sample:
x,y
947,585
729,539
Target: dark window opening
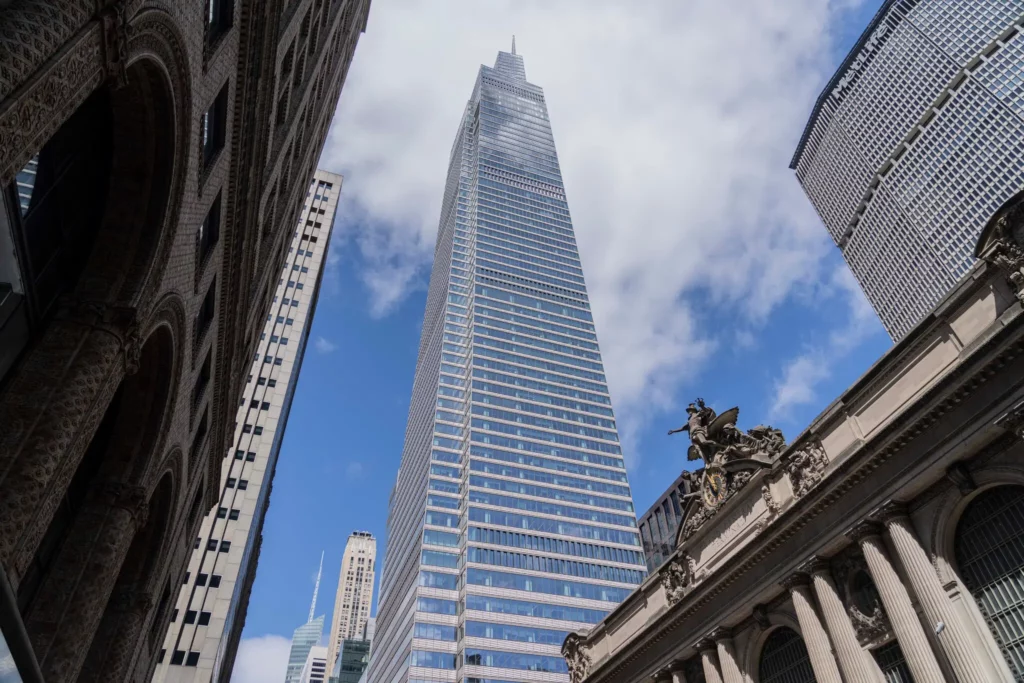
x,y
204,318
202,381
209,232
220,15
213,127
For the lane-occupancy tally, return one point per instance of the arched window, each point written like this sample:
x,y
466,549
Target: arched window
x,y
989,548
784,658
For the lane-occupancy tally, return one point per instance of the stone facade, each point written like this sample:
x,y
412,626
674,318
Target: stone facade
x,y
883,543
154,158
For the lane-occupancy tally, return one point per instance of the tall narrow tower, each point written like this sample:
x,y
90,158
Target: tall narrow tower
x,y
305,639
511,521
210,607
354,598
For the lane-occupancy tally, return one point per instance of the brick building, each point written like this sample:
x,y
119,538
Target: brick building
x,y
154,158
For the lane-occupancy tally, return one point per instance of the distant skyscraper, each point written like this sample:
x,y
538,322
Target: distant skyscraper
x,y
914,144
355,592
305,638
511,521
660,524
201,642
353,657
315,668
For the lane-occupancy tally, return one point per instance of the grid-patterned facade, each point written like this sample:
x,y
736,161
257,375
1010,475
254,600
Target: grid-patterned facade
x,y
207,618
915,143
354,597
511,522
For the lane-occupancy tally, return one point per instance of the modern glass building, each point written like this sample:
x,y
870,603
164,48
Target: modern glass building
x,y
511,521
914,144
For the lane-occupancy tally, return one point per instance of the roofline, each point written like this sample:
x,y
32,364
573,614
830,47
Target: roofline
x,y
840,72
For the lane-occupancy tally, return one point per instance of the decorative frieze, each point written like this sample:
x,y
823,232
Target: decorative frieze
x,y
577,657
806,467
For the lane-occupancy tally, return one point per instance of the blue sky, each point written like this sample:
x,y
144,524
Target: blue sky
x,y
781,346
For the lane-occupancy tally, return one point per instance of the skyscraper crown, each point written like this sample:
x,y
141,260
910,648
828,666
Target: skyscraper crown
x,y
510,65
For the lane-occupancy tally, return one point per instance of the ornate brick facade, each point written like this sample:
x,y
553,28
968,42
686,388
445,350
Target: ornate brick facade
x,y
116,406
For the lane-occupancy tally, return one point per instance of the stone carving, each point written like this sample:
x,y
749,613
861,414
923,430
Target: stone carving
x,y
1002,245
132,499
859,595
806,467
716,440
730,456
679,577
115,43
961,477
760,614
1013,421
577,657
769,500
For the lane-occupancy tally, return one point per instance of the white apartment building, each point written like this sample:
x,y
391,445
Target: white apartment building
x,y
207,619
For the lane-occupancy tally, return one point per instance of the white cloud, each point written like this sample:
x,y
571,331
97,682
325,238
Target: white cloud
x,y
355,469
674,121
323,345
801,376
263,659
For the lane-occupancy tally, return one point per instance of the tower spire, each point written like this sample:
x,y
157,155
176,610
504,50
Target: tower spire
x,y
513,43
316,588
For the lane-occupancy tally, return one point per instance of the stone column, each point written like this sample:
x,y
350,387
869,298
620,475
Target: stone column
x,y
113,651
819,649
727,656
678,676
854,662
709,660
898,607
969,665
76,590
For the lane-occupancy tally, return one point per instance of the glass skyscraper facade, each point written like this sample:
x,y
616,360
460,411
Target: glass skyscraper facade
x,y
511,521
914,144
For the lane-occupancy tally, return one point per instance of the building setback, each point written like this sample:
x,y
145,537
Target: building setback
x,y
660,524
913,145
511,521
153,163
209,613
354,597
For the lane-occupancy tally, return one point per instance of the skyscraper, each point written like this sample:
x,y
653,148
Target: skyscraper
x,y
315,668
209,614
355,592
914,144
306,638
511,521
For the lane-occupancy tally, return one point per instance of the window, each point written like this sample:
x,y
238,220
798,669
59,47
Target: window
x,y
277,361
239,455
185,580
289,321
200,437
174,615
215,581
178,657
213,127
265,405
247,429
204,318
219,16
257,431
243,484
225,546
198,541
272,383
209,232
211,544
250,457
193,659
160,657
201,579
204,618
230,483
190,616
261,381
233,514
254,404
222,513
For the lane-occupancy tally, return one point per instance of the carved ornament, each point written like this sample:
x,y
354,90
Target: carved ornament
x,y
1002,244
806,467
678,577
577,657
115,42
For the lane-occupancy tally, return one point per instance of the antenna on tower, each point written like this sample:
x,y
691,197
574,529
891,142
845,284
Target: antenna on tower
x,y
513,43
316,588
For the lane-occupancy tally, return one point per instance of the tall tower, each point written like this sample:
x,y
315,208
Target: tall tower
x,y
913,145
511,521
305,640
354,598
209,612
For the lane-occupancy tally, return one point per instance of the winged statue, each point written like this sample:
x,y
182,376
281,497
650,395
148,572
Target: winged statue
x,y
715,439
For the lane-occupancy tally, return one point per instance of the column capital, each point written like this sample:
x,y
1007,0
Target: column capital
x,y
795,580
892,511
705,645
663,675
677,666
863,530
815,565
721,633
